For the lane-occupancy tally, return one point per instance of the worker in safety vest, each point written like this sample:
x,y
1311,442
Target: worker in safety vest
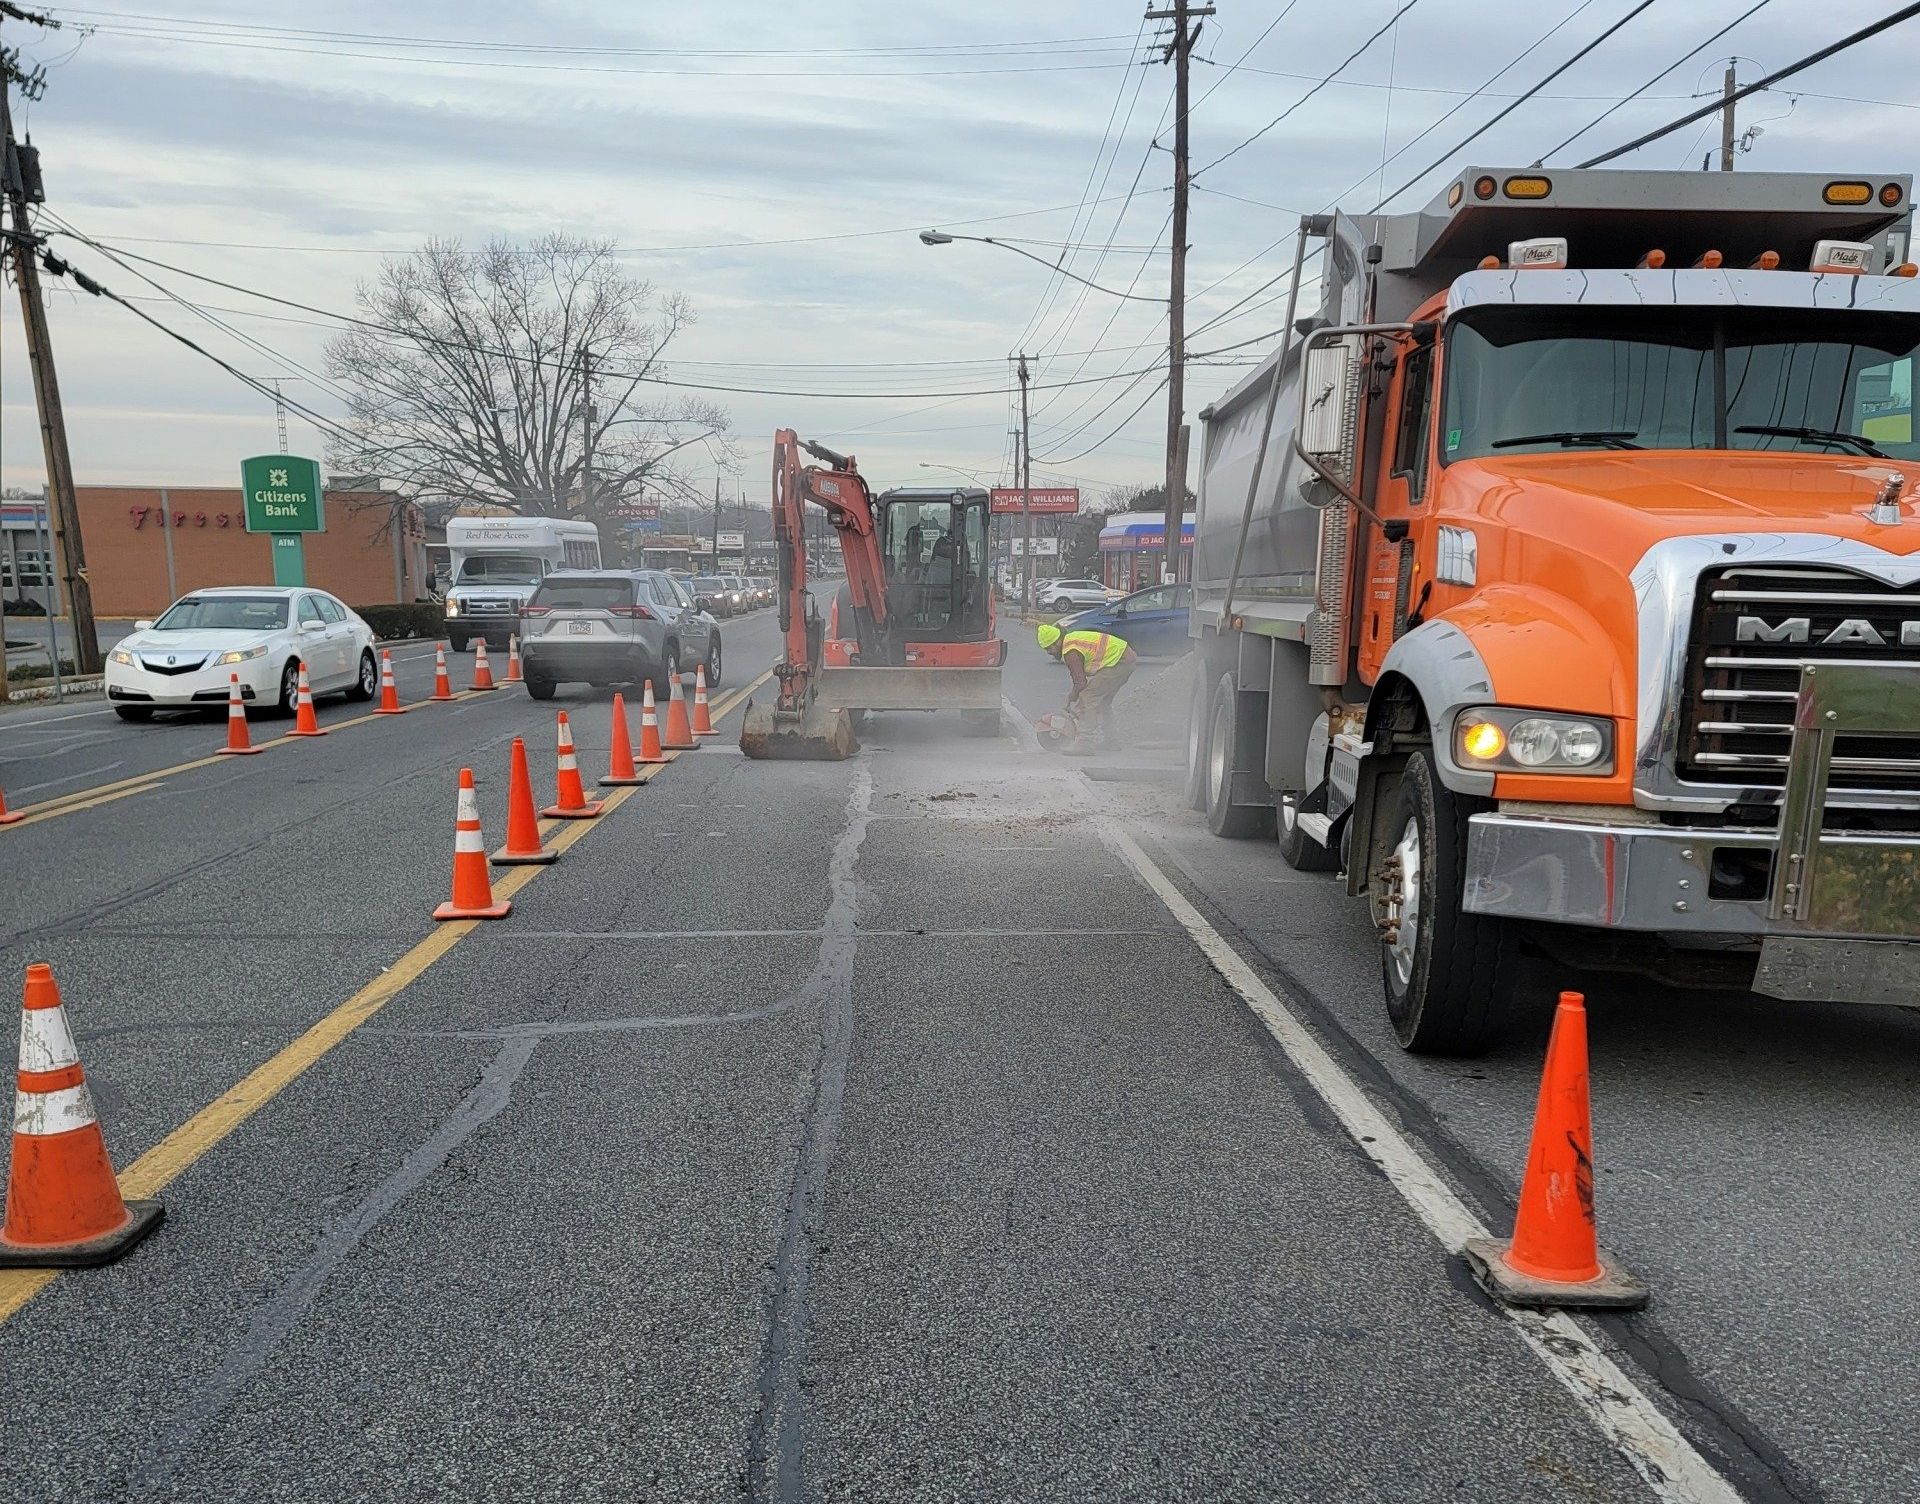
x,y
1099,664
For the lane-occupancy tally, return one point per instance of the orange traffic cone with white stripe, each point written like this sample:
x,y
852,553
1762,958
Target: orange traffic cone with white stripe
x,y
305,722
702,715
1554,1257
442,685
570,801
482,670
472,887
9,817
650,748
620,768
679,733
523,848
239,742
389,691
513,659
64,1209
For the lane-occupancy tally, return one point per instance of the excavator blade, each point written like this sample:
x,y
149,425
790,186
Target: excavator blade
x,y
816,734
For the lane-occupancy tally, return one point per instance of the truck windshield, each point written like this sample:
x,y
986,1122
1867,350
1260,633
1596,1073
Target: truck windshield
x,y
499,569
1536,380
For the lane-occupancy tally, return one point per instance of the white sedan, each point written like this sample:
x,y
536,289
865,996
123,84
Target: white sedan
x,y
261,633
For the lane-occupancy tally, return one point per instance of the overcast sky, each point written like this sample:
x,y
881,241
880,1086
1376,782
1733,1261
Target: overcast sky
x,y
773,162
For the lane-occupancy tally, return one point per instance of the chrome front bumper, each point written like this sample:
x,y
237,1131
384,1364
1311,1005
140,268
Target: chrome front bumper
x,y
1656,879
1650,877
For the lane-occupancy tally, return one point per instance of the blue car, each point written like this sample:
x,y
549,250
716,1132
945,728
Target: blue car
x,y
1153,622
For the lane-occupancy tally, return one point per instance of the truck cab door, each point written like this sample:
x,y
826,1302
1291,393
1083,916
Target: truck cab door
x,y
1390,583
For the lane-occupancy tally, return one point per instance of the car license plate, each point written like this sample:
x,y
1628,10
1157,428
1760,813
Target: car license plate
x,y
580,628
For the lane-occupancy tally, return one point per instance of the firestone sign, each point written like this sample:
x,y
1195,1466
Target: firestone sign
x,y
282,494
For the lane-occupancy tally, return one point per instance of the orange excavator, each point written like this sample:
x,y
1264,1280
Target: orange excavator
x,y
911,629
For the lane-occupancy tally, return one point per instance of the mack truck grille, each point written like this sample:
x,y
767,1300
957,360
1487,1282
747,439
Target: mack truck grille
x,y
1753,628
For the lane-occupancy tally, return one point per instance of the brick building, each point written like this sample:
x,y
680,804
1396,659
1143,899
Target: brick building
x,y
359,557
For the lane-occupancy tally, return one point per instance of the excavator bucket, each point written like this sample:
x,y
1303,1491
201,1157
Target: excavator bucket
x,y
816,734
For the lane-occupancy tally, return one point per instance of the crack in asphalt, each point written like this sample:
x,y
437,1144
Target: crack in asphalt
x,y
776,1443
273,1321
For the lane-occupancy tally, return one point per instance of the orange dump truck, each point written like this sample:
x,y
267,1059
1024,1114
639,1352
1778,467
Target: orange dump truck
x,y
1559,581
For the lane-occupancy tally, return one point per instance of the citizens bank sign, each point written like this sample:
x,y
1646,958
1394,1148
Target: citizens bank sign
x,y
282,494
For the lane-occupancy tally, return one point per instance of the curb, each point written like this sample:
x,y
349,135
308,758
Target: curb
x,y
69,688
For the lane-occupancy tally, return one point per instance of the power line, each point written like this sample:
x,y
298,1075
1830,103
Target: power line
x,y
366,55
1886,23
386,38
1318,86
415,337
1640,92
1071,458
1475,135
1044,305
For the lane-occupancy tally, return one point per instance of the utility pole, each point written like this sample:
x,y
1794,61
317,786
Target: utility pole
x,y
1726,118
23,180
586,431
1179,52
716,524
1026,495
280,412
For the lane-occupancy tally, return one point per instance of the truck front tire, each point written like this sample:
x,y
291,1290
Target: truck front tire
x,y
1298,849
1447,972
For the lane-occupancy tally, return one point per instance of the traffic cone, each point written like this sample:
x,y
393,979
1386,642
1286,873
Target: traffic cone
x,y
482,672
620,768
442,685
513,659
570,796
239,743
679,734
523,848
305,723
702,716
63,1205
1554,1257
389,691
472,887
650,748
9,817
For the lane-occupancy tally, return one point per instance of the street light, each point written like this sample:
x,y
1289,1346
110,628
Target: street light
x,y
942,237
972,475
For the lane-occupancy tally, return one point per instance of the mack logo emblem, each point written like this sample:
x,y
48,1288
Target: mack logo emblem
x,y
1851,631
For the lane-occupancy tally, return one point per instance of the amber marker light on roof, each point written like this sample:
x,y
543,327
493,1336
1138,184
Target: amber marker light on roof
x,y
1848,193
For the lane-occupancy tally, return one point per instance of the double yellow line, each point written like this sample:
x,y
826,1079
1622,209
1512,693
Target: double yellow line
x,y
106,793
148,1175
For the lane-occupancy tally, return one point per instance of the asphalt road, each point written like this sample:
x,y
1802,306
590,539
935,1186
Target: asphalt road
x,y
876,1131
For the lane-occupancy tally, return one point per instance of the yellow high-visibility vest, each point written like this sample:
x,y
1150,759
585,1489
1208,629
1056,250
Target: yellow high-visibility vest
x,y
1097,650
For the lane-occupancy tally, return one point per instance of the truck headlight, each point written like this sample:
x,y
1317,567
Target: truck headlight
x,y
1526,741
241,655
453,606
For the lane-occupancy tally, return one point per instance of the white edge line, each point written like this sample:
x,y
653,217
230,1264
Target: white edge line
x,y
1672,1468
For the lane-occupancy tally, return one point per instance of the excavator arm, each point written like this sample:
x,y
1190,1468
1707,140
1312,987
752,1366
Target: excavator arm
x,y
795,725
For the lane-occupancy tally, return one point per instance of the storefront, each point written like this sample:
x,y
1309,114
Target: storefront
x,y
1133,550
146,546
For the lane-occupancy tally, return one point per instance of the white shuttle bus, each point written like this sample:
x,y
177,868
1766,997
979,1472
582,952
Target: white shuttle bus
x,y
495,563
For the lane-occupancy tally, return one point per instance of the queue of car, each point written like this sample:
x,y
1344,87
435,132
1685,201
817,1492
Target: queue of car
x,y
589,625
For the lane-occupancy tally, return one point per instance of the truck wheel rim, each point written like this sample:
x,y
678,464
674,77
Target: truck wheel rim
x,y
1289,813
1404,915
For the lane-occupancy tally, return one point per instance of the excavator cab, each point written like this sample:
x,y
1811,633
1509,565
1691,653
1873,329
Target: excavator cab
x,y
934,543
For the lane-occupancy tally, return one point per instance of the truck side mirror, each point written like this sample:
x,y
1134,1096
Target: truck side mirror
x,y
1326,395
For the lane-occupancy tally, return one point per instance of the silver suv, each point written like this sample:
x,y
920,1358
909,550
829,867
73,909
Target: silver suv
x,y
614,626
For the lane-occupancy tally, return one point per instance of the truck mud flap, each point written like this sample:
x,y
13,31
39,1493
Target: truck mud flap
x,y
908,688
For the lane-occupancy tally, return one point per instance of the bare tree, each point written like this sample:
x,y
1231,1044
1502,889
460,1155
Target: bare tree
x,y
526,377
